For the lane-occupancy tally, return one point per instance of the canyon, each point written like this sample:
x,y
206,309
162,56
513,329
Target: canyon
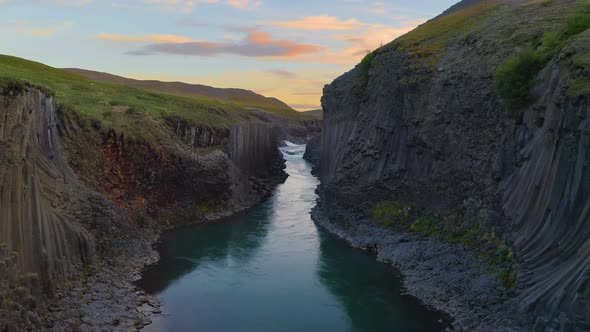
x,y
457,153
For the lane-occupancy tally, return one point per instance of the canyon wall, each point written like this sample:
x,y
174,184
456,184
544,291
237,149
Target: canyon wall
x,y
41,205
253,147
198,136
437,137
50,223
75,194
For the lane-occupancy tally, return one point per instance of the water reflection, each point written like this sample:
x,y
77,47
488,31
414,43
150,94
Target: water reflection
x,y
183,251
272,270
369,291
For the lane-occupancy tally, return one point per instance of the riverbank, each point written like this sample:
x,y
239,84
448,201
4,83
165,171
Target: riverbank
x,y
277,266
104,295
447,277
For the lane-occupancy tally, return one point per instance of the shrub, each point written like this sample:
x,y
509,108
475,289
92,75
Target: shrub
x,y
578,22
513,79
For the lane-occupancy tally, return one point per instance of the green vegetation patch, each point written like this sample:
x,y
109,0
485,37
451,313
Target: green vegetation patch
x,y
365,66
497,253
513,79
427,43
390,213
579,87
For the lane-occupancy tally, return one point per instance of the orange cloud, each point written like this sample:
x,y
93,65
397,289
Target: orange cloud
x,y
323,22
165,39
244,4
288,48
36,28
359,43
187,6
256,44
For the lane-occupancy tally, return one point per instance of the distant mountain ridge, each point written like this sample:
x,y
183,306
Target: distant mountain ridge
x,y
318,112
243,96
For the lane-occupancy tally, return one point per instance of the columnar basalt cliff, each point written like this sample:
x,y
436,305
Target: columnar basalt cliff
x,y
250,145
51,224
199,136
418,135
77,223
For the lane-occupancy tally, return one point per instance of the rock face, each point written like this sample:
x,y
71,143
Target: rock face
x,y
74,195
40,193
313,153
51,224
254,148
437,136
196,136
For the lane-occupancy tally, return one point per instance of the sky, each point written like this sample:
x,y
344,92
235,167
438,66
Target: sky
x,y
279,48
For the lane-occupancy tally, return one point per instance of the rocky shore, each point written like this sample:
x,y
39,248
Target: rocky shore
x,y
448,277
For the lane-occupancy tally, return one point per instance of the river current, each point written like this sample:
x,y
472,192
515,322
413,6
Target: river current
x,y
271,269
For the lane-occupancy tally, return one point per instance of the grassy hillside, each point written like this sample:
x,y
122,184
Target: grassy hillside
x,y
242,97
550,25
120,107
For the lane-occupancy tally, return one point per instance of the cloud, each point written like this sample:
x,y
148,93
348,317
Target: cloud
x,y
163,39
35,28
183,6
359,37
323,22
244,4
369,39
256,44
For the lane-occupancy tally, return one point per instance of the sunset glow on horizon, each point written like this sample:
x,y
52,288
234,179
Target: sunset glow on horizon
x,y
283,49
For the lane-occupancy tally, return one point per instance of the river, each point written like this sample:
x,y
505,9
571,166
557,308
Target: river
x,y
271,269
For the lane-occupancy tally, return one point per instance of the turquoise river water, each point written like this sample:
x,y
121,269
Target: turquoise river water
x,y
272,270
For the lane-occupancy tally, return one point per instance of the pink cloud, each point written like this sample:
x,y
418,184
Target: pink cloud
x,y
322,22
256,44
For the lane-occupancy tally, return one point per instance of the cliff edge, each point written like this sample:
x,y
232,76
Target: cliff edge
x,y
472,130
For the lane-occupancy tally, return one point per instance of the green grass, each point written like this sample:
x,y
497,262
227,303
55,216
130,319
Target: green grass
x,y
579,21
119,107
443,28
426,44
496,253
513,79
365,65
390,213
